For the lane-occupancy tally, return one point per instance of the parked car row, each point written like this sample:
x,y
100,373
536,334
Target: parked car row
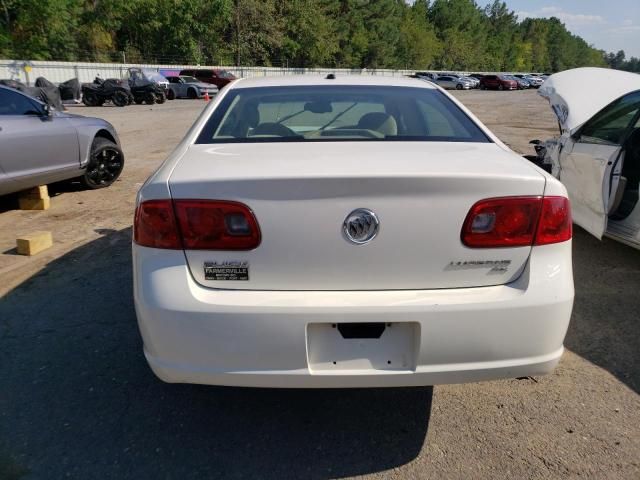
x,y
149,86
498,81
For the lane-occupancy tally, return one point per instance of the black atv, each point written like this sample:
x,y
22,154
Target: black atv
x,y
100,91
147,92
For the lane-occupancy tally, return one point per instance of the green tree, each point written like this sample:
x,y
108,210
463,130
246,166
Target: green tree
x,y
442,34
418,45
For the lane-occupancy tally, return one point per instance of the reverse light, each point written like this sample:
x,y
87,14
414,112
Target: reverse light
x,y
216,225
196,225
517,222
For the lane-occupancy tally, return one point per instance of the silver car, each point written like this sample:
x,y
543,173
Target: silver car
x,y
472,80
450,82
39,146
185,86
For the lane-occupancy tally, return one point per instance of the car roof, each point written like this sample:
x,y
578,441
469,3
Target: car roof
x,y
355,80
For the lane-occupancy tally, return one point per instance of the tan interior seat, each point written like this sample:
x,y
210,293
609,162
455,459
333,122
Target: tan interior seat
x,y
380,122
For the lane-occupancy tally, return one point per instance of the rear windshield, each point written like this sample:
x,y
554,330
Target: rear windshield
x,y
338,113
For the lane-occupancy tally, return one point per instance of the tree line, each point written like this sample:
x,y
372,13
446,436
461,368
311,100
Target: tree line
x,y
423,34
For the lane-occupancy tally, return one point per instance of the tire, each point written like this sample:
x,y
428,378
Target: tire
x,y
191,93
500,87
120,99
482,87
458,87
171,95
149,98
90,99
106,162
161,97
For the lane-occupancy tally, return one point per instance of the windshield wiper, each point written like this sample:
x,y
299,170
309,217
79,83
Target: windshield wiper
x,y
338,116
290,116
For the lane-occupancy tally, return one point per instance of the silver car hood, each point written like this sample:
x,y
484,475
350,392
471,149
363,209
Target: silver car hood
x,y
577,95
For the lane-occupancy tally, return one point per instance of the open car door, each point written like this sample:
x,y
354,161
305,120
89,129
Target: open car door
x,y
591,163
587,171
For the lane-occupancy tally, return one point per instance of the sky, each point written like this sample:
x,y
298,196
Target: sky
x,y
609,25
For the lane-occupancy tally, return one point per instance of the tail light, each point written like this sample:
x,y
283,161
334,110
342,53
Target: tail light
x,y
555,223
517,222
155,226
196,225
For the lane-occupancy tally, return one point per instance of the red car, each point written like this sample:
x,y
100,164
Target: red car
x,y
497,82
215,76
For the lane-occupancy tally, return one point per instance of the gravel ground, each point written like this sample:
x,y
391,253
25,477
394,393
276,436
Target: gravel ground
x,y
77,399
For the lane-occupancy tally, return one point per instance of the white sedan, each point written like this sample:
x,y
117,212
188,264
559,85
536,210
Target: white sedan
x,y
349,232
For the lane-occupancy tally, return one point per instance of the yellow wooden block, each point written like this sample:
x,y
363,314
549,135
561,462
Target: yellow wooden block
x,y
34,243
28,203
40,192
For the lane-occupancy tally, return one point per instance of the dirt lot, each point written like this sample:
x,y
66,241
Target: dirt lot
x,y
77,399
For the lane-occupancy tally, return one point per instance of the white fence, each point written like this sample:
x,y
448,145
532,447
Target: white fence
x,y
56,72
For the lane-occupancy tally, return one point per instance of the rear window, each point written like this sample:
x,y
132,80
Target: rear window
x,y
338,113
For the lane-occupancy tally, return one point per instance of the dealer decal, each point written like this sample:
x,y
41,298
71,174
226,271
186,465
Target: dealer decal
x,y
228,270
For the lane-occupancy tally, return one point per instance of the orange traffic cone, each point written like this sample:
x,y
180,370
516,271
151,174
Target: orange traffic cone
x,y
206,96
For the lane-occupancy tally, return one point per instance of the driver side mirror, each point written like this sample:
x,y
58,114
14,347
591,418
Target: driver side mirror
x,y
47,111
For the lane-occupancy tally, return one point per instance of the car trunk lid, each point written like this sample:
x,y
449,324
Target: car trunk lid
x,y
301,195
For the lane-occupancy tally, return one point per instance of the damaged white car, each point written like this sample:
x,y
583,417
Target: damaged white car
x,y
597,155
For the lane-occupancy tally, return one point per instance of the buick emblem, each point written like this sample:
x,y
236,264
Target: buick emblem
x,y
361,226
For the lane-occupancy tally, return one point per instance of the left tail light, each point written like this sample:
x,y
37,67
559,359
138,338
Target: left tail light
x,y
154,225
196,225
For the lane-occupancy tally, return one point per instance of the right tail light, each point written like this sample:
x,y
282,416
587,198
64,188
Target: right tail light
x,y
517,222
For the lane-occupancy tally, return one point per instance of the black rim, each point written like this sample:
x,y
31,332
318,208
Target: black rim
x,y
105,166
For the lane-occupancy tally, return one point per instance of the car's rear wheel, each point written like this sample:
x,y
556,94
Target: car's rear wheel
x,y
105,164
171,95
120,99
191,93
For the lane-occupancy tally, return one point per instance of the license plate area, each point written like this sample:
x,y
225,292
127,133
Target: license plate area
x,y
348,347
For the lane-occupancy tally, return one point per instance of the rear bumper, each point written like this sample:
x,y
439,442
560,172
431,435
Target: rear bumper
x,y
194,334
